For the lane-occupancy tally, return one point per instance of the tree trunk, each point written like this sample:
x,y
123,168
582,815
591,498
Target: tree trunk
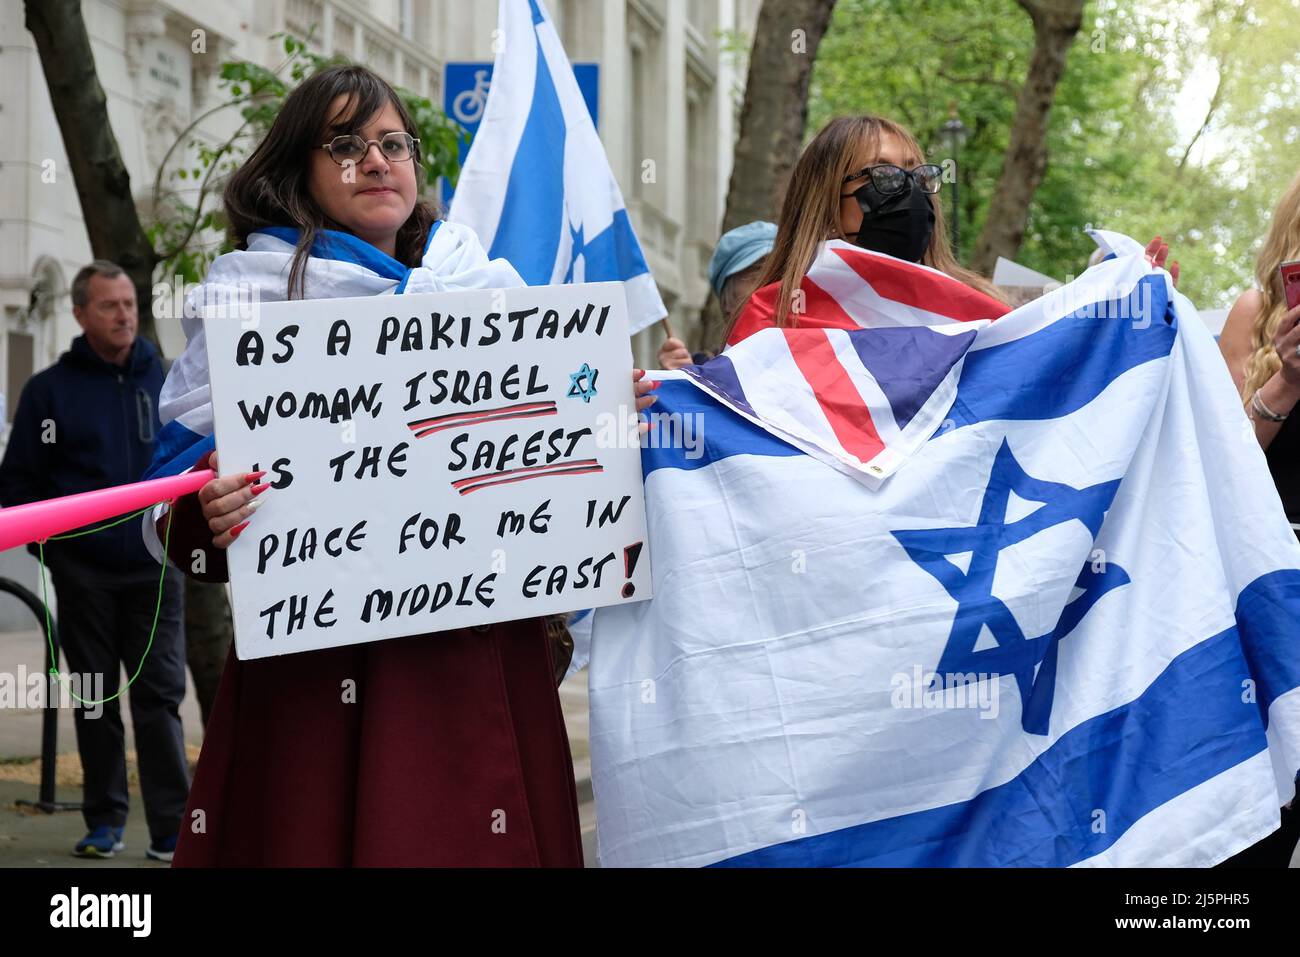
x,y
1056,22
103,184
772,119
116,233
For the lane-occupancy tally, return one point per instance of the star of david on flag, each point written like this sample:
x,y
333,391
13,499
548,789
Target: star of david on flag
x,y
1065,499
1030,659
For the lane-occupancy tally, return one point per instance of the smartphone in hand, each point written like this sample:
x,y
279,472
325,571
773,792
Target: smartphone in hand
x,y
1290,273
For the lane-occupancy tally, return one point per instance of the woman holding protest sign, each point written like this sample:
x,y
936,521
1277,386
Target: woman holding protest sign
x,y
445,749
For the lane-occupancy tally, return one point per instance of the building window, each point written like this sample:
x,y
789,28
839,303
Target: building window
x,y
645,110
21,349
569,11
703,16
406,18
636,119
702,159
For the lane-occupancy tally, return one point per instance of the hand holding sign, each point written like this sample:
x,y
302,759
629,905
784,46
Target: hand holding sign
x,y
438,461
228,503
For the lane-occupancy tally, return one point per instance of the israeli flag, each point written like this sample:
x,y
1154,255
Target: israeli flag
x,y
1064,632
536,186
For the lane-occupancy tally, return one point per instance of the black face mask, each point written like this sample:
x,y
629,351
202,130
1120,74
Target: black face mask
x,y
897,225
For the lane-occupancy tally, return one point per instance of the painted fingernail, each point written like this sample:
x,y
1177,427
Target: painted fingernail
x,y
234,532
254,476
255,504
260,488
655,385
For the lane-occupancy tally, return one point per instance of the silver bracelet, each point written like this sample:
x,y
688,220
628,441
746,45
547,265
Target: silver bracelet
x,y
1258,405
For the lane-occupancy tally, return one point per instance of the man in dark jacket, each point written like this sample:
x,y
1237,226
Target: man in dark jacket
x,y
90,422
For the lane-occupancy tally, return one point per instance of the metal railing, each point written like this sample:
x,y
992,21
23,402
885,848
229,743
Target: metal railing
x,y
45,800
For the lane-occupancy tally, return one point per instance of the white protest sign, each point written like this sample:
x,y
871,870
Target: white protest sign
x,y
436,461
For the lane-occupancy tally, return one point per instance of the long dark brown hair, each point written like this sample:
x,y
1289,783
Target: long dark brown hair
x,y
810,214
270,188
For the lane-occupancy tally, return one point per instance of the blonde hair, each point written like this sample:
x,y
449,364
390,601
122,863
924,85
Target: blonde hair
x,y
810,214
1282,244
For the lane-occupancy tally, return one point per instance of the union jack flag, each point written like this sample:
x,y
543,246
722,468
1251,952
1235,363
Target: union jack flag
x,y
872,367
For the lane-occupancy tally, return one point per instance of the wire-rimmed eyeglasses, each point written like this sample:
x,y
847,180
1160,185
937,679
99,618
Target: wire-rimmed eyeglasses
x,y
396,147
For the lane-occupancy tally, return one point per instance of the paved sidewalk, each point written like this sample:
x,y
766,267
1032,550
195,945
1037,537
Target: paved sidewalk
x,y
20,728
31,838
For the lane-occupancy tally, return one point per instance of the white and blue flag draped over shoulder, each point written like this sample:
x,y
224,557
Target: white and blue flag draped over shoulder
x,y
536,186
340,265
1065,631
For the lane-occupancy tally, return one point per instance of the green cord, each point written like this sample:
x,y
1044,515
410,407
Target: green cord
x,y
124,518
45,598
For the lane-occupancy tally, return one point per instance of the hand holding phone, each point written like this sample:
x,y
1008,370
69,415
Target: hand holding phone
x,y
1290,273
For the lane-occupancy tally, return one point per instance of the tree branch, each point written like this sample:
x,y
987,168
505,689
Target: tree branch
x,y
1056,23
103,183
1216,100
1006,85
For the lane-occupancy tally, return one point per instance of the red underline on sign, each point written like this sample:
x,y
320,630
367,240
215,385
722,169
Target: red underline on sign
x,y
456,420
487,480
522,470
525,478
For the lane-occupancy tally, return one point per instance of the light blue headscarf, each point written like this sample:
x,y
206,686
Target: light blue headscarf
x,y
739,249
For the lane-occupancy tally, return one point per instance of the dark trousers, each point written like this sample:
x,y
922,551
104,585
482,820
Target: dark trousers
x,y
104,618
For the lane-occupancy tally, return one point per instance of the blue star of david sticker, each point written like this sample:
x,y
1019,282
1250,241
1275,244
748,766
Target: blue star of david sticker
x,y
1031,660
582,384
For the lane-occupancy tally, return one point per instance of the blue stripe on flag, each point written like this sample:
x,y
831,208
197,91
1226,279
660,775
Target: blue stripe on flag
x,y
1266,610
719,374
613,255
1189,725
528,233
1084,352
724,433
178,450
343,247
428,241
1060,369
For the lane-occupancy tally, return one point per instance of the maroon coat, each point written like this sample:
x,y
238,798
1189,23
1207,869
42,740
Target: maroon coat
x,y
451,750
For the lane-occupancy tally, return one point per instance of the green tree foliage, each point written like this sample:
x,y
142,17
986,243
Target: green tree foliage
x,y
1236,145
1126,148
187,213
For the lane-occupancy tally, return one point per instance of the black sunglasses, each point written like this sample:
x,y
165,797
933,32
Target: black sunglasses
x,y
889,179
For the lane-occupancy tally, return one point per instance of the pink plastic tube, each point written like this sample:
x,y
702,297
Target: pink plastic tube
x,y
21,524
